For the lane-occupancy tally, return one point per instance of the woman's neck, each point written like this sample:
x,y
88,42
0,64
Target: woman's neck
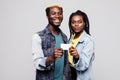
x,y
77,35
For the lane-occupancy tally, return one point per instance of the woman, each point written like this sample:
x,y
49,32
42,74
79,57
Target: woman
x,y
81,52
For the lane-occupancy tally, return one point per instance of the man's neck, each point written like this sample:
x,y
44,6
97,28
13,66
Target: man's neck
x,y
54,29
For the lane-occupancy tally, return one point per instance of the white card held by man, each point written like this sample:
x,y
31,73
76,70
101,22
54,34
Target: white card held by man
x,y
65,46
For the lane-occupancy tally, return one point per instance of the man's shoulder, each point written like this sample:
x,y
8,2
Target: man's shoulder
x,y
42,32
63,34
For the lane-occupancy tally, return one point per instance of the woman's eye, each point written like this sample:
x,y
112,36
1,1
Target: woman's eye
x,y
79,21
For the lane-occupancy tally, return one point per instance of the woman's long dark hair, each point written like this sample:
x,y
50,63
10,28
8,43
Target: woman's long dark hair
x,y
85,19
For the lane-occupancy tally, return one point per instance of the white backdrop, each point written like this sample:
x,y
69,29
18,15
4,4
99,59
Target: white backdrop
x,y
20,19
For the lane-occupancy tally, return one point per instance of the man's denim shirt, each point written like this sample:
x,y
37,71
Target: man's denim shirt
x,y
47,45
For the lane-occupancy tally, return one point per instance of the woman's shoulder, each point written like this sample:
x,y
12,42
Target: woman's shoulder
x,y
88,37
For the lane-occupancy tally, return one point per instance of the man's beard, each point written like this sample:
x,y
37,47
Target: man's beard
x,y
56,27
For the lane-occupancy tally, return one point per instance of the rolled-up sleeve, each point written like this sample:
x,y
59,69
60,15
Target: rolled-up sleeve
x,y
85,54
37,53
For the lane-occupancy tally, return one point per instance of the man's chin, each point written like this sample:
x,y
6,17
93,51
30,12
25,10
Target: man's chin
x,y
57,24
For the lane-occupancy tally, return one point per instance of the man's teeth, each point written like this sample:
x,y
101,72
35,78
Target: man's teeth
x,y
57,20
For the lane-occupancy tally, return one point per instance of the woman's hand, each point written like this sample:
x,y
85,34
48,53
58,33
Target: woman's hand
x,y
73,52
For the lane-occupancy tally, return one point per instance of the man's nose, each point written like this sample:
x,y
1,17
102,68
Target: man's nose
x,y
57,15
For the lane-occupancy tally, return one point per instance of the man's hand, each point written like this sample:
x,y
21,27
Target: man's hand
x,y
58,52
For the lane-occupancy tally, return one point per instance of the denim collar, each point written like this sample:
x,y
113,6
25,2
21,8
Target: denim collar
x,y
82,37
47,31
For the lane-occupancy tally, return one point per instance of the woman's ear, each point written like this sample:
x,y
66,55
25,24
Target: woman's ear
x,y
84,24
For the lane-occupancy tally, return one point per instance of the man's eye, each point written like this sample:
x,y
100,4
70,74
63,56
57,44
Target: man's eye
x,y
52,13
72,22
60,13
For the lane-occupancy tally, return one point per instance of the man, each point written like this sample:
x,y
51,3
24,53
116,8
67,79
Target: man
x,y
50,60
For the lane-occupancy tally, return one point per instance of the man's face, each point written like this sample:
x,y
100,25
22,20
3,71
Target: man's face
x,y
55,16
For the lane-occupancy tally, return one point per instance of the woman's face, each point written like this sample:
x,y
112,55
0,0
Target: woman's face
x,y
77,23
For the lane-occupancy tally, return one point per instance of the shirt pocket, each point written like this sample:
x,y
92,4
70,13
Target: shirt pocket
x,y
46,44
